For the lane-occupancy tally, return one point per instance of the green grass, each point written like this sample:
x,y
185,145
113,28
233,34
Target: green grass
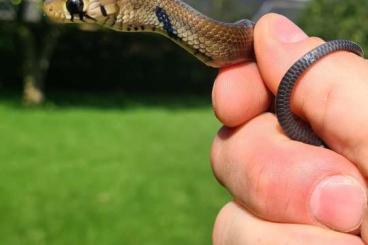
x,y
108,170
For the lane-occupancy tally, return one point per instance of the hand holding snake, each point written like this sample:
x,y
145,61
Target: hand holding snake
x,y
286,192
254,161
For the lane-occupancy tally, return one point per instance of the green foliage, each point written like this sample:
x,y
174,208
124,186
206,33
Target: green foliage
x,y
10,64
337,19
130,62
108,170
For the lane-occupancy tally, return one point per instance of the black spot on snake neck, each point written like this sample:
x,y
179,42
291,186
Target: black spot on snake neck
x,y
163,18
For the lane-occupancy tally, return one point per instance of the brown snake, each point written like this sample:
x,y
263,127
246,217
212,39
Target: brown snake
x,y
215,43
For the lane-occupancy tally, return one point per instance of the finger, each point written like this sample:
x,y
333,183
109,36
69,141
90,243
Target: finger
x,y
287,181
239,94
235,226
364,229
330,95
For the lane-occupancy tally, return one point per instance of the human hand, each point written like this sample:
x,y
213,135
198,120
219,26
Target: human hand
x,y
287,192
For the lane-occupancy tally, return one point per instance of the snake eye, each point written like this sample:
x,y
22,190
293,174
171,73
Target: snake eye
x,y
74,7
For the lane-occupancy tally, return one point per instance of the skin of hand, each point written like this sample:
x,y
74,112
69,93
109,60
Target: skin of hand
x,y
287,192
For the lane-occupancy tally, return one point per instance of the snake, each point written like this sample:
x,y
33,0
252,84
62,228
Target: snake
x,y
215,43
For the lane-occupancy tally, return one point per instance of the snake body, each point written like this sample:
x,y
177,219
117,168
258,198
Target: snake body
x,y
215,43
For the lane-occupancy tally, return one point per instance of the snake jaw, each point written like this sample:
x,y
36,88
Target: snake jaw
x,y
55,10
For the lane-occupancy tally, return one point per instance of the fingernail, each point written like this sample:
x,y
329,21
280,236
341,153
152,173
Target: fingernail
x,y
286,31
339,203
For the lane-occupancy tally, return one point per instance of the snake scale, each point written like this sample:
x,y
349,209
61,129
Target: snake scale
x,y
215,43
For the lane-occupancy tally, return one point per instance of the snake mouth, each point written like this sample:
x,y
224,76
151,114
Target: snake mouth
x,y
54,9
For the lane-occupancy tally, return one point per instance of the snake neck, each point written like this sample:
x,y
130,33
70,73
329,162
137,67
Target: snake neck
x,y
215,43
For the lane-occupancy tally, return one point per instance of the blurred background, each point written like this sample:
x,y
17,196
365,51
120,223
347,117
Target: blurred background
x,y
106,136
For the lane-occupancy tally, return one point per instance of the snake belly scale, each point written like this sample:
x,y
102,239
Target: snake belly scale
x,y
215,43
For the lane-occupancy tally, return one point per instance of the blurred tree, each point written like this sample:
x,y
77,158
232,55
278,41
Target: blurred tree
x,y
36,42
333,19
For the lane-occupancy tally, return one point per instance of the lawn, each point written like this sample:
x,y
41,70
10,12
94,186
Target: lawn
x,y
108,169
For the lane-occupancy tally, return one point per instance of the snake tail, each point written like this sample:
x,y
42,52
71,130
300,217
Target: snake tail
x,y
293,126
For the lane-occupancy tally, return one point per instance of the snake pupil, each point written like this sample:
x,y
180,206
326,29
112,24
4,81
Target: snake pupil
x,y
75,7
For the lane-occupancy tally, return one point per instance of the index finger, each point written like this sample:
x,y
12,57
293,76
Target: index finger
x,y
330,96
239,94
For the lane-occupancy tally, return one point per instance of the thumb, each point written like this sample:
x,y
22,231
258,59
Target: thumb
x,y
330,96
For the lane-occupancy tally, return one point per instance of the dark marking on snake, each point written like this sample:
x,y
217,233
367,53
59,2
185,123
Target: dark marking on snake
x,y
113,21
163,18
103,10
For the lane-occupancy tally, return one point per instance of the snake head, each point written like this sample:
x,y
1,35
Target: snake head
x,y
79,11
